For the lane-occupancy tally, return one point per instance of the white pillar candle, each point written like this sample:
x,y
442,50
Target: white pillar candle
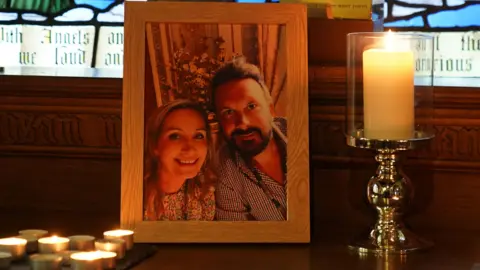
x,y
388,92
126,235
15,246
53,244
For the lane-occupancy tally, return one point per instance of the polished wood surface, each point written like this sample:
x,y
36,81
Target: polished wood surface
x,y
50,164
453,251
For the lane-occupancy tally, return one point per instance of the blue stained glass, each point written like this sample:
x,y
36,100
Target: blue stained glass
x,y
76,15
464,17
33,17
100,4
5,16
455,14
115,14
413,22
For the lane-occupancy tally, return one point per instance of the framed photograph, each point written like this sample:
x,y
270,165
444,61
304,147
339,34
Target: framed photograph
x,y
207,91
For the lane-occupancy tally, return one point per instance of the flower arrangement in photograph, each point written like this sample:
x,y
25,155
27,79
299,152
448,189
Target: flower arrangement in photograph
x,y
192,73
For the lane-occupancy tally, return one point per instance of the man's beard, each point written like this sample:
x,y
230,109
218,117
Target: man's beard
x,y
249,148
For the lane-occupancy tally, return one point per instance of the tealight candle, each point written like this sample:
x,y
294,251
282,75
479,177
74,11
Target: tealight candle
x,y
15,246
5,260
53,244
126,235
89,260
66,254
34,232
46,262
114,245
32,242
108,259
82,242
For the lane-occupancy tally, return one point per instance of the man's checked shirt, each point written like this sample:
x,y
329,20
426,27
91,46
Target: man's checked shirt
x,y
245,193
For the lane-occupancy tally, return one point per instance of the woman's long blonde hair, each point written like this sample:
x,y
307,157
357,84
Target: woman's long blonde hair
x,y
207,178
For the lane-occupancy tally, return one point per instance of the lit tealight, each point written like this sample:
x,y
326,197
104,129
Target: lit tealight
x,y
32,242
112,245
106,254
108,259
5,260
53,244
82,242
126,235
86,256
14,245
33,232
90,260
45,261
11,241
53,240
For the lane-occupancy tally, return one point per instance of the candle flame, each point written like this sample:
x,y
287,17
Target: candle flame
x,y
118,233
86,256
389,40
106,254
92,255
53,239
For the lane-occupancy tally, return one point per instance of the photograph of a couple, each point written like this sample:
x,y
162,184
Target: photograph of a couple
x,y
215,122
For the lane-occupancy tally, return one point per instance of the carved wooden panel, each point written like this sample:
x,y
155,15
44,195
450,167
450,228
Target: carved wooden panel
x,y
451,143
75,121
60,130
59,152
67,133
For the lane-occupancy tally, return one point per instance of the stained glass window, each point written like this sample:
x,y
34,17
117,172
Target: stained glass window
x,y
455,25
62,33
89,33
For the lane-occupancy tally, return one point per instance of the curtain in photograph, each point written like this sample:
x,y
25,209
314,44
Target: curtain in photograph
x,y
272,58
262,45
168,45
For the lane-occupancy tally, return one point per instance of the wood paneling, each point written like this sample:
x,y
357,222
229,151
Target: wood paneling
x,y
60,151
444,174
327,39
60,155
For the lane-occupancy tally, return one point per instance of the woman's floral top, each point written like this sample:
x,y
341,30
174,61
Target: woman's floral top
x,y
182,205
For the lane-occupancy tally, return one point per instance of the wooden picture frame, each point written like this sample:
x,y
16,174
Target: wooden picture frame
x,y
139,16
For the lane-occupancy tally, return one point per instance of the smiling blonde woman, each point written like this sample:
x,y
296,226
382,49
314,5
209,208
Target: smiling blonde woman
x,y
179,164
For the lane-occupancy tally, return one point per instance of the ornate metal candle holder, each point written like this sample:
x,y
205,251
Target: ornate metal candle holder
x,y
389,110
390,192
